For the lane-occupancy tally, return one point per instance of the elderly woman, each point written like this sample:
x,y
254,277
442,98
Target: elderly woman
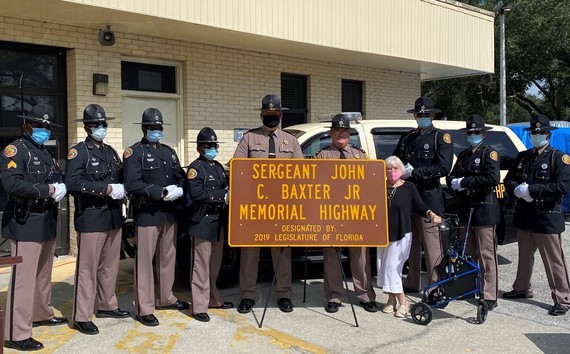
x,y
403,199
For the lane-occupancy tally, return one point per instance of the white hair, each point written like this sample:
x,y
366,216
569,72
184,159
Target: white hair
x,y
394,161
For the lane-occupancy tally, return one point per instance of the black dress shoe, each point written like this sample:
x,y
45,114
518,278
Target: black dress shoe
x,y
148,320
177,305
118,313
369,306
285,304
513,294
332,307
24,345
225,306
202,317
558,310
491,304
245,305
54,321
86,327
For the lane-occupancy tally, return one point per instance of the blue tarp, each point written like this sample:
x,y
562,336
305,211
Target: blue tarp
x,y
560,139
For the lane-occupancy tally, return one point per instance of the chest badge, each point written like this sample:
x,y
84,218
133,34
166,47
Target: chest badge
x,y
544,166
477,161
426,146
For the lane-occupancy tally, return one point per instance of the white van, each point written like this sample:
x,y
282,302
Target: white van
x,y
380,137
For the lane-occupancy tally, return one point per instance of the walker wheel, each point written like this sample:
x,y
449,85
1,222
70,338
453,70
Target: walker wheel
x,y
482,311
437,298
421,313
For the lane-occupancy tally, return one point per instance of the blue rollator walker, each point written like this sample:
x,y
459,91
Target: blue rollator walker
x,y
459,275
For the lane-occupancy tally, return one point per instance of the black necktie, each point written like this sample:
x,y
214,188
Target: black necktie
x,y
271,146
342,155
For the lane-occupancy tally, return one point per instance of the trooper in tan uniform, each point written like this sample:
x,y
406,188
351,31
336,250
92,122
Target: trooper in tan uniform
x,y
94,176
153,177
33,181
267,141
208,188
539,177
359,256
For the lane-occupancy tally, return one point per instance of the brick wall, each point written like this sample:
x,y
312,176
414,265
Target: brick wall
x,y
222,87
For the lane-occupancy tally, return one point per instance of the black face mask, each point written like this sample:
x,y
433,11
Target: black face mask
x,y
271,121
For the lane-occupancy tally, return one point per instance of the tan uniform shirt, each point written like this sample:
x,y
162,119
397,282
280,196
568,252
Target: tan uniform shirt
x,y
255,143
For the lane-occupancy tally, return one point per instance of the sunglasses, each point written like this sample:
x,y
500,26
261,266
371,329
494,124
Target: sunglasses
x,y
542,132
476,132
423,115
211,145
97,125
155,127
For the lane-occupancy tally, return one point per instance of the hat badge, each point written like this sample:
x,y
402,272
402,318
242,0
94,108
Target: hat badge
x,y
99,115
46,116
270,104
341,123
422,109
157,118
473,125
212,137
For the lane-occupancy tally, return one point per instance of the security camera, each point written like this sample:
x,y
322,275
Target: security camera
x,y
106,37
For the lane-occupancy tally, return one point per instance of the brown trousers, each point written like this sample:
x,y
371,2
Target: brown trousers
x,y
96,273
426,235
482,245
249,258
550,248
361,274
206,262
151,240
29,291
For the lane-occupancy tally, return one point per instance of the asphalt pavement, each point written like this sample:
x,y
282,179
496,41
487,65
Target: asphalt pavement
x,y
514,326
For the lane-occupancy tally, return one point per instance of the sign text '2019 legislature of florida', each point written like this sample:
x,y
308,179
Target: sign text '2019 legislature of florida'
x,y
285,202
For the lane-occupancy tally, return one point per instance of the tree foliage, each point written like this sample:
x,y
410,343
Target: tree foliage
x,y
537,48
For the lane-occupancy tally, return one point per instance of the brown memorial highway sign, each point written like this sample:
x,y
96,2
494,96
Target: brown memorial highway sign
x,y
305,203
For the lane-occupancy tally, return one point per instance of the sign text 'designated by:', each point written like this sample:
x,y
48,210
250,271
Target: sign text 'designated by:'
x,y
313,202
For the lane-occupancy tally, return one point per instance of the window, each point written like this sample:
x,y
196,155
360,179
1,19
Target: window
x,y
352,96
294,97
497,139
148,77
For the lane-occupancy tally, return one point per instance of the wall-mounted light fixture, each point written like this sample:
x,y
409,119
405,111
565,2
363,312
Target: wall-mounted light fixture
x,y
100,84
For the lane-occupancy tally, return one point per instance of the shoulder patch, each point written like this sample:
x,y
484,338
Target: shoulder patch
x,y
566,159
494,156
72,154
12,164
192,173
447,138
10,150
128,152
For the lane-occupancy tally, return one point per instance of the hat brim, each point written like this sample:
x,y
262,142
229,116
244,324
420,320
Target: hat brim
x,y
339,127
474,129
541,129
150,124
273,110
208,142
37,120
432,110
94,121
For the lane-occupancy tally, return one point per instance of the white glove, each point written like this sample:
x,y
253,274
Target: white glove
x,y
408,171
521,191
227,198
117,191
59,192
174,192
456,184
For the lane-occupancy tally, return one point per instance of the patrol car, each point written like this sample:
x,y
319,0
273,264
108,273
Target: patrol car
x,y
380,137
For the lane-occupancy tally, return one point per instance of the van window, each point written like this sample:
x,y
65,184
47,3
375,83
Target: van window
x,y
319,141
385,142
497,139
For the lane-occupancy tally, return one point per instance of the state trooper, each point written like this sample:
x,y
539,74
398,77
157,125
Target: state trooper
x,y
475,175
153,178
539,177
34,185
267,141
428,155
94,176
360,267
208,188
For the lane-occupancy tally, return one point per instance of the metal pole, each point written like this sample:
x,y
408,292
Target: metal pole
x,y
502,71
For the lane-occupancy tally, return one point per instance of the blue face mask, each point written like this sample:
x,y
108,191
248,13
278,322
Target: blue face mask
x,y
474,140
211,153
538,140
99,133
153,135
40,135
424,122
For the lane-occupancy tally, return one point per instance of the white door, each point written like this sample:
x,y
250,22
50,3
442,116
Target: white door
x,y
133,108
